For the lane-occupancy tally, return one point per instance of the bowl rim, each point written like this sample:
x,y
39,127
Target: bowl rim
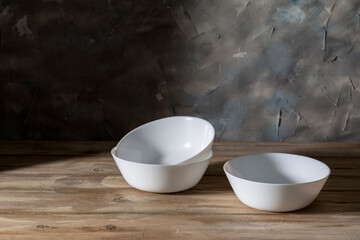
x,y
276,184
168,118
207,158
165,119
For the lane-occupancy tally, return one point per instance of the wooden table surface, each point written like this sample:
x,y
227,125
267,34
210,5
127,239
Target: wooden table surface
x,y
73,190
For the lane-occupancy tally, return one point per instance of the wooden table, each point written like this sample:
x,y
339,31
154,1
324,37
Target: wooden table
x,y
73,190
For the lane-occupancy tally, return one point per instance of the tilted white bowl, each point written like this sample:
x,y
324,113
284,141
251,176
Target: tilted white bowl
x,y
166,155
276,182
162,178
167,141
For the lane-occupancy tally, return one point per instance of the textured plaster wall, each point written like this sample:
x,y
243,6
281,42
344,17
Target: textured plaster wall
x,y
257,70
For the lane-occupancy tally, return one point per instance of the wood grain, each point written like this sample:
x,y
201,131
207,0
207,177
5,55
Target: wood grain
x,y
73,190
224,149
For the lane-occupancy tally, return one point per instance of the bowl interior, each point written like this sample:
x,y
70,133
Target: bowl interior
x,y
166,141
277,168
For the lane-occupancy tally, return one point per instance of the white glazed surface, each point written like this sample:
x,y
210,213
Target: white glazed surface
x,y
168,141
162,178
276,182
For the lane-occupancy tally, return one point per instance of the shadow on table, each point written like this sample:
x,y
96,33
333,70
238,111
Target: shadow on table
x,y
214,181
334,202
341,193
23,154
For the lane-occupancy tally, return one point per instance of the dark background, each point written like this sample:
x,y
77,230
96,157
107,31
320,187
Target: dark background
x,y
257,70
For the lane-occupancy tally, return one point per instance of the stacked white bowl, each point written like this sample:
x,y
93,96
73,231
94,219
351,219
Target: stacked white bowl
x,y
166,155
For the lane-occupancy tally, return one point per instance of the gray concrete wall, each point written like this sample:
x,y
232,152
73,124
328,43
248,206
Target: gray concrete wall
x,y
257,70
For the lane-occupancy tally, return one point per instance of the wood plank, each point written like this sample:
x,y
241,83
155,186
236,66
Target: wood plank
x,y
181,226
56,147
89,179
91,164
128,200
319,149
223,149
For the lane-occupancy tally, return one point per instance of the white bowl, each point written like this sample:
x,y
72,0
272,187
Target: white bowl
x,y
276,182
162,178
168,141
166,155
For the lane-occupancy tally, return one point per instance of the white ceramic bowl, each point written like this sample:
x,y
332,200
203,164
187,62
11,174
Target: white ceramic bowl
x,y
166,155
276,182
162,178
168,141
